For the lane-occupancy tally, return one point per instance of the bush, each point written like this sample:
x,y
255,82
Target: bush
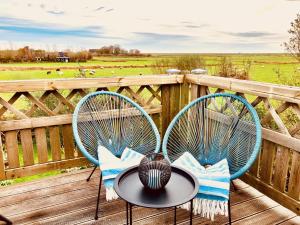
x,y
185,63
227,69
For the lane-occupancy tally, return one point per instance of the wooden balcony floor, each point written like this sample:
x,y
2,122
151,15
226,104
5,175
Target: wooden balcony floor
x,y
69,199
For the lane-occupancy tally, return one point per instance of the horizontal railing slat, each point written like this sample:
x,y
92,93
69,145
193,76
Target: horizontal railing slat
x,y
79,83
50,121
274,91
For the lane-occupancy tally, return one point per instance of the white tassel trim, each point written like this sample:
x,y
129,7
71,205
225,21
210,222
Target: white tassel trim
x,y
207,208
111,194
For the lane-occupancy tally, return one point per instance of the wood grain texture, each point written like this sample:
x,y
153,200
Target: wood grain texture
x,y
27,147
184,94
174,100
281,168
55,144
12,149
194,91
2,165
41,144
273,193
294,180
42,168
45,121
59,84
68,141
268,90
165,111
267,159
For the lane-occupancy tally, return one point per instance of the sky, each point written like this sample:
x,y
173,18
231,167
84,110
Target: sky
x,y
166,26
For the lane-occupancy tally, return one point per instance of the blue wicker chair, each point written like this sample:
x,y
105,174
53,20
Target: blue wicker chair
x,y
115,122
215,127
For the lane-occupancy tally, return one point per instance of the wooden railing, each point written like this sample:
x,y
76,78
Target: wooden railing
x,y
36,134
35,118
276,172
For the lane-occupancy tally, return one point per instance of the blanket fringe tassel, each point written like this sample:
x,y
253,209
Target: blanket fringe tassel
x,y
111,194
207,208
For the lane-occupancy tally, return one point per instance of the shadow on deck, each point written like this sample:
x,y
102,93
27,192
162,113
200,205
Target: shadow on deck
x,y
69,199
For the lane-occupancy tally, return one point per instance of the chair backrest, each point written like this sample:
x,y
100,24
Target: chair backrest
x,y
115,122
215,127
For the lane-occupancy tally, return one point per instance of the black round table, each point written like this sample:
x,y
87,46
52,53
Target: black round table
x,y
181,188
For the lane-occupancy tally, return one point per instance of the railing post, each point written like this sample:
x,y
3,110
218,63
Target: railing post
x,y
165,111
184,94
174,100
171,104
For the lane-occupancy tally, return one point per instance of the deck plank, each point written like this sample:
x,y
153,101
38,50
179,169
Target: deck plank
x,y
69,199
45,182
293,221
269,217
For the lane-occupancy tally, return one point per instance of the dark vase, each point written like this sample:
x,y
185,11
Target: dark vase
x,y
154,171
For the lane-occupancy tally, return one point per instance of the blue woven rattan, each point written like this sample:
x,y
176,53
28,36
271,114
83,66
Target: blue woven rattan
x,y
215,127
115,122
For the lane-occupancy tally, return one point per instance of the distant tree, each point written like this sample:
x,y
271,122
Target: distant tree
x,y
293,44
117,50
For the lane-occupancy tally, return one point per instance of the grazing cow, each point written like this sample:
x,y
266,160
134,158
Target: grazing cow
x,y
92,72
60,72
48,72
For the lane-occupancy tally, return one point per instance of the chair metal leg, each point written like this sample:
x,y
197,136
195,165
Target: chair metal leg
x,y
229,212
98,199
130,213
88,179
4,219
191,213
175,215
127,220
232,184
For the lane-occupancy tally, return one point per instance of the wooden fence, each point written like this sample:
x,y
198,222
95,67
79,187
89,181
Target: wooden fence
x,y
36,133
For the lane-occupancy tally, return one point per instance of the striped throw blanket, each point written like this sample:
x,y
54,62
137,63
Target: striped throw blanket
x,y
111,166
214,184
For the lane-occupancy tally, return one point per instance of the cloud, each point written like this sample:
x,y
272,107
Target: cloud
x,y
250,34
28,27
163,37
56,12
99,8
195,26
50,31
165,30
186,22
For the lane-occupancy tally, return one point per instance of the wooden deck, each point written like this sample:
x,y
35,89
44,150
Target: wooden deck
x,y
69,199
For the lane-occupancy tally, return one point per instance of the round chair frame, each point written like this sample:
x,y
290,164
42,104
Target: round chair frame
x,y
250,108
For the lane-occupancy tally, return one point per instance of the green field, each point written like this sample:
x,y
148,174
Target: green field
x,y
265,67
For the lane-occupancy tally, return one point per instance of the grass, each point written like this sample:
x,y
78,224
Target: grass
x,y
41,74
265,67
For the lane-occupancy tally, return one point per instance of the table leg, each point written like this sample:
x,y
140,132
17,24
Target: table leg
x,y
127,213
130,213
175,215
191,213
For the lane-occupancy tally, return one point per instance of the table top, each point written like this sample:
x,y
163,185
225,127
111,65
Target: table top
x,y
181,188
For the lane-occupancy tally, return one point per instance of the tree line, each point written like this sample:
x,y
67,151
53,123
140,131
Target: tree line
x,y
27,54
